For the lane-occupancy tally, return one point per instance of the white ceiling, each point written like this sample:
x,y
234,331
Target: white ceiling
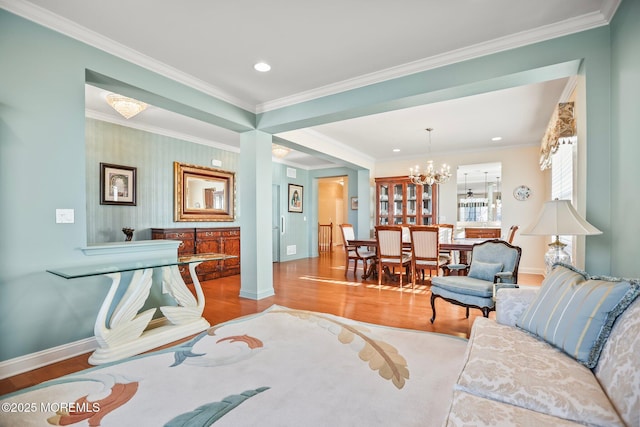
x,y
319,48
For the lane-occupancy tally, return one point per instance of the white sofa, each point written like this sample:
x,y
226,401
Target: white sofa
x,y
510,377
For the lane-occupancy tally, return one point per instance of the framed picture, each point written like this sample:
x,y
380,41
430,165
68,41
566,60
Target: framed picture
x,y
117,185
295,198
203,194
354,203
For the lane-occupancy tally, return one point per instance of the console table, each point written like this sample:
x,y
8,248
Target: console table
x,y
121,331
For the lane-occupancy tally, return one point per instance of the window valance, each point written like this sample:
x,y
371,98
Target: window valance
x,y
561,130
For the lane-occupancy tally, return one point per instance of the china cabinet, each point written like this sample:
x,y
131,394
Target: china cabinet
x,y
399,201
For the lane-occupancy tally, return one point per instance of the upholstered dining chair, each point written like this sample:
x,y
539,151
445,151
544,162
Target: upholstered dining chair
x,y
355,253
445,232
512,233
390,253
494,264
425,251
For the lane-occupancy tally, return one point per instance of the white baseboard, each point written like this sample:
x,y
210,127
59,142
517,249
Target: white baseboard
x,y
28,362
538,271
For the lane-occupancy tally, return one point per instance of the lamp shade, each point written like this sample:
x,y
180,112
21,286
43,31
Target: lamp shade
x,y
559,218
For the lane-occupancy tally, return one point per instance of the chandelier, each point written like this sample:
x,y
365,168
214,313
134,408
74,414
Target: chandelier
x,y
127,107
430,176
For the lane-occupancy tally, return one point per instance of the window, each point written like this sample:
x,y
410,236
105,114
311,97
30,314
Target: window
x,y
562,177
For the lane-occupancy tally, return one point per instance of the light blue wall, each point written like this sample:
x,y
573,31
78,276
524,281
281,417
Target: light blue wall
x,y
625,138
295,224
153,156
42,167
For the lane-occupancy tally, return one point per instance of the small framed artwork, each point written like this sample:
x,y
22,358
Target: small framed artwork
x,y
295,198
354,203
117,185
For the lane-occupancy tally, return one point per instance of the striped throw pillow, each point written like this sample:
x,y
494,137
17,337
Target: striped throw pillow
x,y
575,312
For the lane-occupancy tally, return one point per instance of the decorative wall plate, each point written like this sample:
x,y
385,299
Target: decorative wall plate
x,y
522,193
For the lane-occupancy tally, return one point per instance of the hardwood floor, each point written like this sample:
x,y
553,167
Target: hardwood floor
x,y
316,284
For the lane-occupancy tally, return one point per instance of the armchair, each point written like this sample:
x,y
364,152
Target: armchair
x,y
494,264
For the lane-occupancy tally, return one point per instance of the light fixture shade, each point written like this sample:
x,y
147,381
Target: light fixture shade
x,y
127,107
559,218
279,151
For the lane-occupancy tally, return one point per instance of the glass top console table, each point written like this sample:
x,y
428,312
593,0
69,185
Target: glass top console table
x,y
121,330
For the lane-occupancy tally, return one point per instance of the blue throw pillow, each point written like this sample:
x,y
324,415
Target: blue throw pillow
x,y
484,270
575,312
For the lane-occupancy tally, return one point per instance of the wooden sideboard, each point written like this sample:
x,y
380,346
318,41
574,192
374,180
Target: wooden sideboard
x,y
223,240
482,232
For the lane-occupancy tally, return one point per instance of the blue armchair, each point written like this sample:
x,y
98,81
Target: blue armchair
x,y
494,263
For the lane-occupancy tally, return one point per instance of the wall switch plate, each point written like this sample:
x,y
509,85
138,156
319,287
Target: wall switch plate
x,y
65,216
291,250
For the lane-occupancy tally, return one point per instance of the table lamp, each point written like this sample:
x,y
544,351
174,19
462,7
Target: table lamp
x,y
559,218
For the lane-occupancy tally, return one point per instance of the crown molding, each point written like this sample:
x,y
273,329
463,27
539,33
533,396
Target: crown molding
x,y
71,29
540,34
62,25
97,115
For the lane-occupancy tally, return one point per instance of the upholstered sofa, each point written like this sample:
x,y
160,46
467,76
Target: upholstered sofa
x,y
514,376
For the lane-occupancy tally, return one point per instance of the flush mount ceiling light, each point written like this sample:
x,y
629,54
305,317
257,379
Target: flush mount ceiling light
x,y
279,151
127,107
396,150
263,67
496,138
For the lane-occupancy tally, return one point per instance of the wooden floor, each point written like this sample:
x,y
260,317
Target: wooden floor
x,y
316,284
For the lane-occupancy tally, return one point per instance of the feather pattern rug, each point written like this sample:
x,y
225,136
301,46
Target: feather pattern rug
x,y
281,367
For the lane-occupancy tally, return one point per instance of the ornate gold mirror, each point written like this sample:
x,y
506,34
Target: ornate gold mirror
x,y
203,194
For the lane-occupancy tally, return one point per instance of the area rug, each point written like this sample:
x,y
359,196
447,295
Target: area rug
x,y
281,367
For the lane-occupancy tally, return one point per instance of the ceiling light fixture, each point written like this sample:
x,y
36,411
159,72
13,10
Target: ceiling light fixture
x,y
430,175
279,151
496,138
263,67
127,107
396,150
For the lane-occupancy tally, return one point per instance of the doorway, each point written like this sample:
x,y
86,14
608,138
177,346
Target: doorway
x,y
332,203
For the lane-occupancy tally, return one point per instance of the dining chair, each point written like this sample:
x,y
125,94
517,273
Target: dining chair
x,y
390,253
425,251
355,253
445,232
512,233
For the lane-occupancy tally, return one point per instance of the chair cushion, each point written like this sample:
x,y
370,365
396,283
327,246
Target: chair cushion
x,y
471,410
506,364
464,285
575,313
484,270
405,259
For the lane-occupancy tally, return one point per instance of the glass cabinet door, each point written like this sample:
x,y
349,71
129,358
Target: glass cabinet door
x,y
398,204
383,204
427,205
412,204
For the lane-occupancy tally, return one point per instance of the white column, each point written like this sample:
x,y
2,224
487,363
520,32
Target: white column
x,y
254,195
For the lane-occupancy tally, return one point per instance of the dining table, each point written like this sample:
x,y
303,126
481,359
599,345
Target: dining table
x,y
463,245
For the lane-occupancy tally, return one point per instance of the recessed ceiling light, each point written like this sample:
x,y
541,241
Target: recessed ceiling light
x,y
263,67
396,150
496,138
